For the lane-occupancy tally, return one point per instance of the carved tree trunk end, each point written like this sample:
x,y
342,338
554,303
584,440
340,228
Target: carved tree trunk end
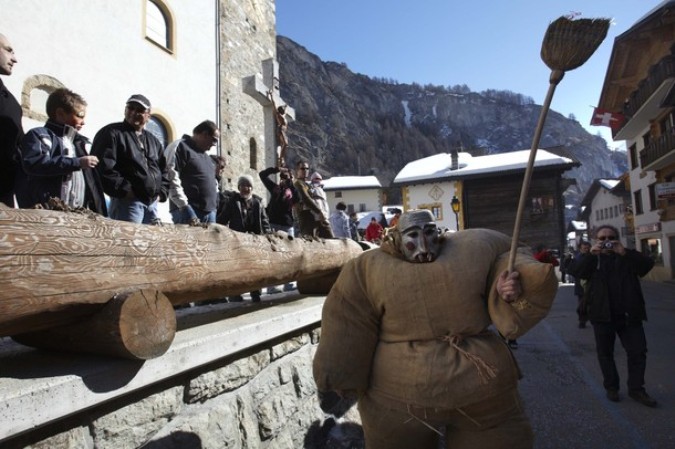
x,y
139,325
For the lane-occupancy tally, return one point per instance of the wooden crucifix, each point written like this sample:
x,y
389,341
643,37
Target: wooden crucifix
x,y
264,88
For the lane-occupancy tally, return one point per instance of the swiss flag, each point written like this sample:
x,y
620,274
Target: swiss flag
x,y
602,117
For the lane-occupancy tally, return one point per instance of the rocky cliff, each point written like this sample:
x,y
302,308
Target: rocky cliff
x,y
350,124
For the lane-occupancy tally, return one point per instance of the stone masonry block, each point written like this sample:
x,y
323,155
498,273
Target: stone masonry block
x,y
289,346
77,438
132,425
206,426
227,378
273,413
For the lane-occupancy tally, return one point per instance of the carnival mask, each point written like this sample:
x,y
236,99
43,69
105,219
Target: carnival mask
x,y
419,236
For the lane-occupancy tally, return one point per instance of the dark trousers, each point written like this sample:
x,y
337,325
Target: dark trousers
x,y
633,340
581,309
7,198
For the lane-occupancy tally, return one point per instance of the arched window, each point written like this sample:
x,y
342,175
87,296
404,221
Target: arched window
x,y
34,95
157,127
253,153
159,24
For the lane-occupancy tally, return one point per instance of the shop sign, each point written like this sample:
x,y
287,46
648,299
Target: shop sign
x,y
652,227
665,191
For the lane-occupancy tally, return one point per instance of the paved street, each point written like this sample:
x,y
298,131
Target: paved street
x,y
562,387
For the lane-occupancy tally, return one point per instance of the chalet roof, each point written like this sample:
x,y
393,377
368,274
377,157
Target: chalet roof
x,y
351,182
636,50
608,184
578,225
438,167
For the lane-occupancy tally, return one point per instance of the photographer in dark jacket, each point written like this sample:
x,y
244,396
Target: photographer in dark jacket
x,y
616,306
132,165
280,208
283,197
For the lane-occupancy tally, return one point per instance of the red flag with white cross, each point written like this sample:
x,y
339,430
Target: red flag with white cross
x,y
602,117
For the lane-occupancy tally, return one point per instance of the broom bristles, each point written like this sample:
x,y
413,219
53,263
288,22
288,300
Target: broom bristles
x,y
569,43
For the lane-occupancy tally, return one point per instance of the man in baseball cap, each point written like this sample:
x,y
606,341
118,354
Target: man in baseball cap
x,y
140,99
133,166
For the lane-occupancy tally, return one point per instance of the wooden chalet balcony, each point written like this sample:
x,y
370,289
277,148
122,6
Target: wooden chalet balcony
x,y
658,73
656,150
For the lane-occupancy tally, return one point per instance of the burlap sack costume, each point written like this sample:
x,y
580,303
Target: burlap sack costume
x,y
416,334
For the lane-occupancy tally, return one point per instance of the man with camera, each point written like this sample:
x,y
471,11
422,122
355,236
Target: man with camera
x,y
616,306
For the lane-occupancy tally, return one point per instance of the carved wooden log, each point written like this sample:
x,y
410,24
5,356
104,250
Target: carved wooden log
x,y
140,325
56,267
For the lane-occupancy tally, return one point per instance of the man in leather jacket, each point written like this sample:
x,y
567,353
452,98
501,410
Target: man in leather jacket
x,y
132,165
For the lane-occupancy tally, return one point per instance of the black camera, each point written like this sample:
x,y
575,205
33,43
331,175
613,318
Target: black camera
x,y
607,245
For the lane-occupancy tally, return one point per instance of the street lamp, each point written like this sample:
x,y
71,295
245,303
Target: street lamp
x,y
455,208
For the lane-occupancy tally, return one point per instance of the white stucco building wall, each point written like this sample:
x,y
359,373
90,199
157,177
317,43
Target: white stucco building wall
x,y
435,196
359,193
608,209
99,50
652,235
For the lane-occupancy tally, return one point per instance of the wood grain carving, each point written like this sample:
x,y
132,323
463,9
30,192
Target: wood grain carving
x,y
56,267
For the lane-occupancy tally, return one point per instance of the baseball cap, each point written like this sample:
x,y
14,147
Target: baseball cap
x,y
139,99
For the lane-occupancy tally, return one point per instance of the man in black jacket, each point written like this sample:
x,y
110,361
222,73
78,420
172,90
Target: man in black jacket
x,y
283,197
280,208
244,212
616,306
132,165
10,126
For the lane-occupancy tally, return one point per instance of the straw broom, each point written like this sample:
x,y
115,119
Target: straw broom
x,y
567,45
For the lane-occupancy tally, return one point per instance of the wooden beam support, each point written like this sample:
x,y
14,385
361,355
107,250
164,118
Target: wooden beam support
x,y
57,267
140,325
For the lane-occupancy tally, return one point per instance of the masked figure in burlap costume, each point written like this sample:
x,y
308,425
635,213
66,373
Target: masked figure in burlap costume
x,y
406,331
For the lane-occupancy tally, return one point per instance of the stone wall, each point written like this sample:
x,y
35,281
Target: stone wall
x,y
247,38
236,376
264,398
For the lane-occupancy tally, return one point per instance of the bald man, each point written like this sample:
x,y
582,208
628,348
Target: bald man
x,y
10,125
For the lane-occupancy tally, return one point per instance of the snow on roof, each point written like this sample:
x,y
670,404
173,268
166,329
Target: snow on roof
x,y
609,184
578,225
438,166
351,182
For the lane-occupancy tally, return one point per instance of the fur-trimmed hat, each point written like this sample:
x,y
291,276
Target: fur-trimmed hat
x,y
245,179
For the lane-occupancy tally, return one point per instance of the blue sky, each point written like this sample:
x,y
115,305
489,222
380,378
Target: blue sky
x,y
485,44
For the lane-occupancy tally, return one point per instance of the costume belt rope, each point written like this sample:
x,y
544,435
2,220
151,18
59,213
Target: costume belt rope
x,y
485,370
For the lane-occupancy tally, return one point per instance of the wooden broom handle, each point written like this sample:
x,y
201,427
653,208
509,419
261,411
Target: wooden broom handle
x,y
556,76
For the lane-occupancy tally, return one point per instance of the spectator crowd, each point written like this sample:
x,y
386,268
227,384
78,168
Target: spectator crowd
x,y
125,171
